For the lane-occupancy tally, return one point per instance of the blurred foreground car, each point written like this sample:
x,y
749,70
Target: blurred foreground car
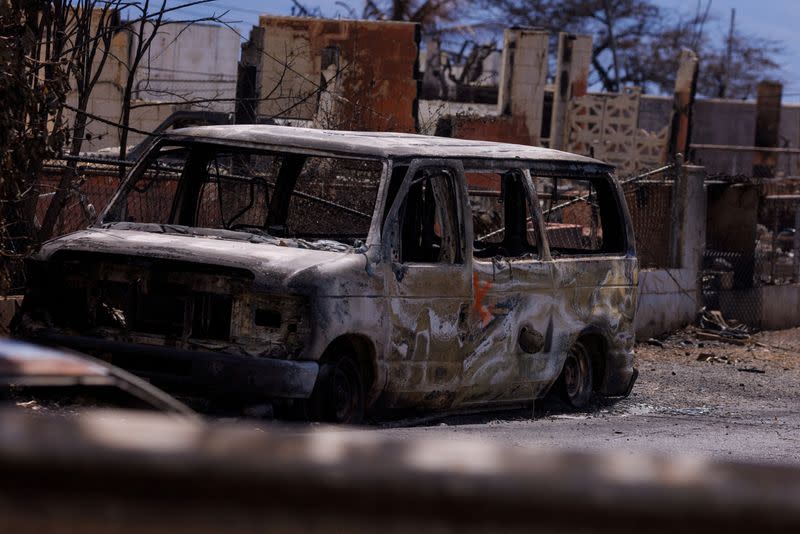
x,y
49,379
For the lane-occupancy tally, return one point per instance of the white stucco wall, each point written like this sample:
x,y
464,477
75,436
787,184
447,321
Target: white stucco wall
x,y
189,62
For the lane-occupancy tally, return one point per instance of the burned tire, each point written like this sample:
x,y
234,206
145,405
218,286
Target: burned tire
x,y
576,377
338,395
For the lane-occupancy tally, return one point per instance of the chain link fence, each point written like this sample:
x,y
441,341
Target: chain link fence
x,y
90,190
649,196
751,243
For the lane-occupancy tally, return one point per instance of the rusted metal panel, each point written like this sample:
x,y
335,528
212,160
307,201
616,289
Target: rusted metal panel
x,y
342,74
505,129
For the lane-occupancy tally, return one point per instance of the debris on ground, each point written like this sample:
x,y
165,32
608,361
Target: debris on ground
x,y
714,327
751,370
713,358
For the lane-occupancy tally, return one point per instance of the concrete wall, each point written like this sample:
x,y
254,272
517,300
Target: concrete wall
x,y
190,62
732,122
780,306
671,298
655,112
185,63
668,300
106,97
727,122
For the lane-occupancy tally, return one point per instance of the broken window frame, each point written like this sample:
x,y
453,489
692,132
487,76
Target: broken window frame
x,y
128,183
392,222
625,246
190,143
535,216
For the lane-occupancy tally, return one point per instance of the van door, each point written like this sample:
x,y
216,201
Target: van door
x,y
428,285
512,288
591,243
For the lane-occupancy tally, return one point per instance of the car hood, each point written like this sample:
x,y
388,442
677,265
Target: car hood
x,y
272,265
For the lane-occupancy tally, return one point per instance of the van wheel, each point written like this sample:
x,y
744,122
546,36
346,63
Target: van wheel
x,y
576,376
338,396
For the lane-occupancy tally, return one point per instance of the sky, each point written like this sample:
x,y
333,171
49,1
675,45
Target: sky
x,y
773,19
770,19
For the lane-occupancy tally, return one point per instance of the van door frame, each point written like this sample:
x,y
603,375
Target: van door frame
x,y
428,304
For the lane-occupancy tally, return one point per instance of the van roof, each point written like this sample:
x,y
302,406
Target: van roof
x,y
382,144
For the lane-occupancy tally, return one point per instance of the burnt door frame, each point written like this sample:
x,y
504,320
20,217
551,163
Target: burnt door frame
x,y
428,301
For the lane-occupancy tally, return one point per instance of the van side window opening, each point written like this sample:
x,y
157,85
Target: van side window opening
x,y
429,229
502,221
581,216
334,198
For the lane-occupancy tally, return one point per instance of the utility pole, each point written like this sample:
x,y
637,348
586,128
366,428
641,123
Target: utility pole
x,y
728,56
609,20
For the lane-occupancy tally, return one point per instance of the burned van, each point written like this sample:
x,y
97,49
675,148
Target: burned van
x,y
351,272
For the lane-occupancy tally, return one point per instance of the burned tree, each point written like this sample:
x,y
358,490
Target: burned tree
x,y
637,42
33,89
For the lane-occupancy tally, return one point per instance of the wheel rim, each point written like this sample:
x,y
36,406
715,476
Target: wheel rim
x,y
577,379
345,394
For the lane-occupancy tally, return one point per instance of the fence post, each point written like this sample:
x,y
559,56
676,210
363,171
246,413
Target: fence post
x,y
688,240
685,88
796,246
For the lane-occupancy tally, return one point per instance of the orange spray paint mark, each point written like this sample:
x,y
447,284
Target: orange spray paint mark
x,y
481,289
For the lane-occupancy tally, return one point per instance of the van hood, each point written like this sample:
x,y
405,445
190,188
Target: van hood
x,y
275,263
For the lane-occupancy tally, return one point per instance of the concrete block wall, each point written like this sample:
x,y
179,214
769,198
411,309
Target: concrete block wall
x,y
187,59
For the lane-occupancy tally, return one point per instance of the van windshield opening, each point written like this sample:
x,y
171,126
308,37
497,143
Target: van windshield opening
x,y
208,188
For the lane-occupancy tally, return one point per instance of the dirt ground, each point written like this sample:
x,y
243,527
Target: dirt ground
x,y
693,396
757,379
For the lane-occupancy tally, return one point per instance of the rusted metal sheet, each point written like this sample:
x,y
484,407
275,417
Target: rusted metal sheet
x,y
342,74
503,129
